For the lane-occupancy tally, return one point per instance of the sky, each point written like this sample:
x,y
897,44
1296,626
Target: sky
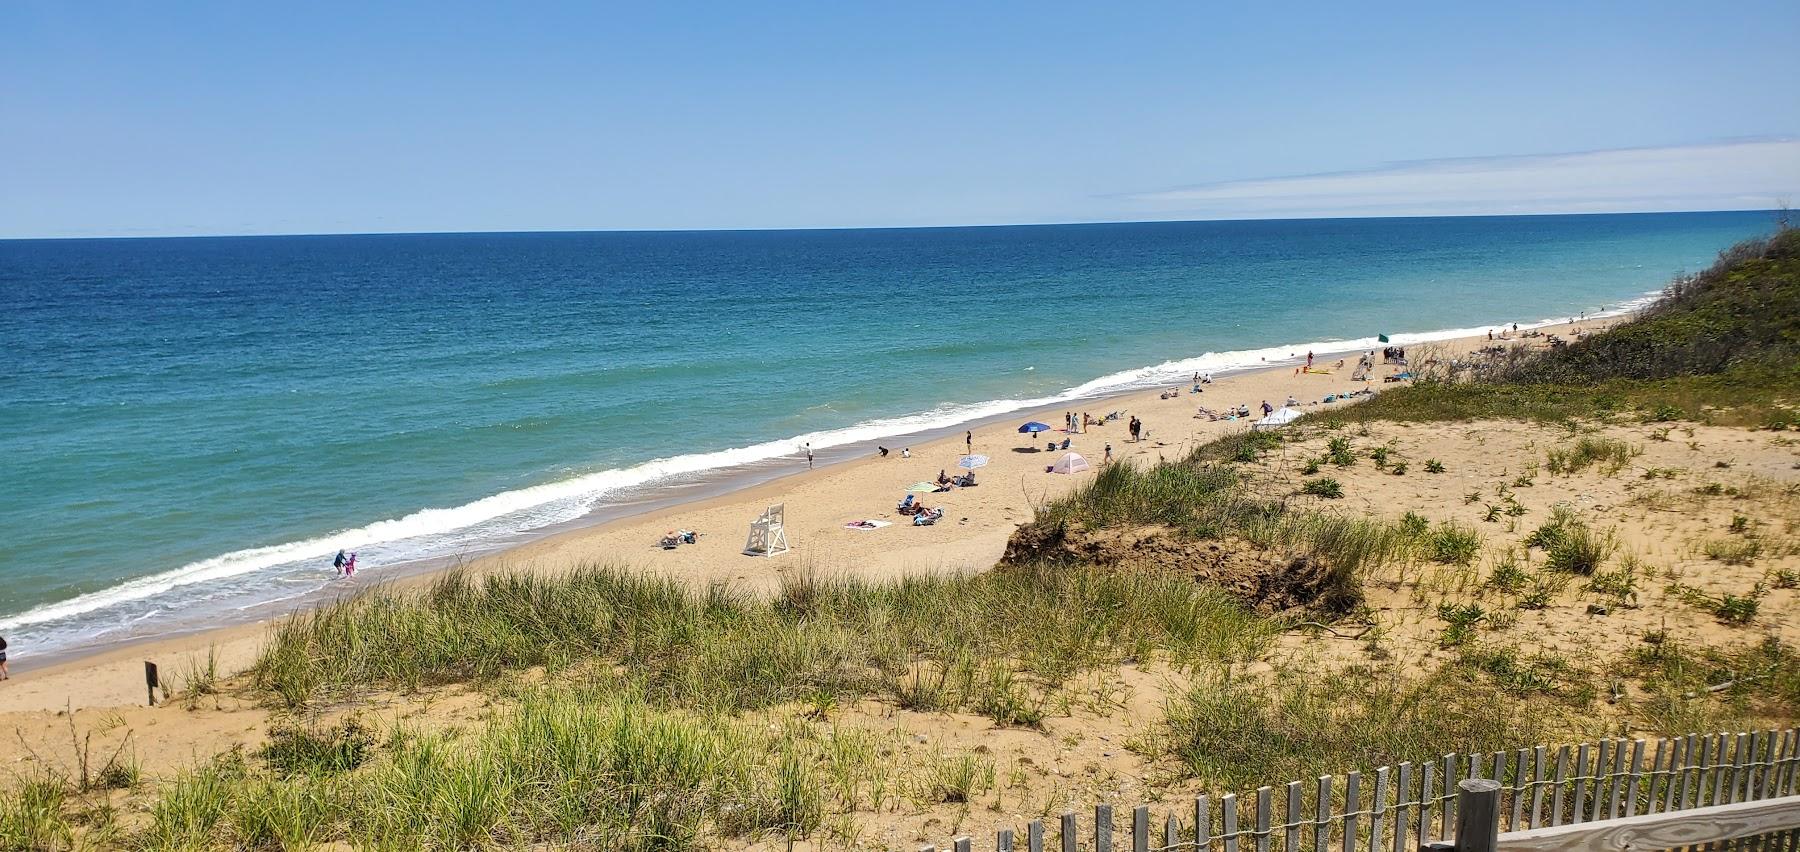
x,y
138,119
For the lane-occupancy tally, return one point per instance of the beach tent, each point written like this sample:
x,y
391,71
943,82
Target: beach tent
x,y
1070,463
1281,417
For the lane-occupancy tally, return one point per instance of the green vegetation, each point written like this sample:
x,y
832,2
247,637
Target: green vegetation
x,y
298,750
1569,545
1241,731
1610,455
720,651
1733,551
1323,487
1720,347
1714,688
1450,543
632,712
1208,501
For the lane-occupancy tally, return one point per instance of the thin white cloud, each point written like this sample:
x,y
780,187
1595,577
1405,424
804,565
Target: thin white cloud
x,y
1746,174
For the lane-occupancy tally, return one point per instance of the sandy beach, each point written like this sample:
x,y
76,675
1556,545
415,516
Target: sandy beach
x,y
971,536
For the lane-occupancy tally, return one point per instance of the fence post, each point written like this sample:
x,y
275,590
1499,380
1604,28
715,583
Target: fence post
x,y
1477,815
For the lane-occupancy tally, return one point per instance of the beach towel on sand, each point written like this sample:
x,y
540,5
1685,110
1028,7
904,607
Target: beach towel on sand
x,y
867,525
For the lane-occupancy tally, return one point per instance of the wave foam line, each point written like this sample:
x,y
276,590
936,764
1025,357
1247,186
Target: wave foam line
x,y
580,492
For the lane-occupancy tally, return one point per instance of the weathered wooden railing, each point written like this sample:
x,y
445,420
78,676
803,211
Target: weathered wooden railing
x,y
1694,790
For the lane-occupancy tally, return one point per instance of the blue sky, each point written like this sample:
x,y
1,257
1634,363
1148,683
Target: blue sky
x,y
130,118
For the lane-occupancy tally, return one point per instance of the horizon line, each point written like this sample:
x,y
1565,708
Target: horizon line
x,y
815,228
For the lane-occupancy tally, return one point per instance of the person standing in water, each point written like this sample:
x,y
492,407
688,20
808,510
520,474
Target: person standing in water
x,y
809,462
350,565
3,673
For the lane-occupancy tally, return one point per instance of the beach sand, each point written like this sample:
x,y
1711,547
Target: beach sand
x,y
971,536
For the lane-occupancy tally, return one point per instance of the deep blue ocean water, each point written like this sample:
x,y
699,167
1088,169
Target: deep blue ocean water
x,y
191,427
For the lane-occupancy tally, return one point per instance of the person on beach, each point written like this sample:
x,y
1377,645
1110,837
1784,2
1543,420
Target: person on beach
x,y
809,457
906,452
338,563
1267,408
881,451
1309,359
1107,459
350,565
969,441
3,674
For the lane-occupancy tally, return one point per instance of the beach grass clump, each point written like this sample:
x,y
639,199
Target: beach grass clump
x,y
32,815
1689,687
1234,732
1211,502
1611,456
1450,543
189,813
1175,494
295,749
1733,551
590,764
1570,545
1324,486
723,651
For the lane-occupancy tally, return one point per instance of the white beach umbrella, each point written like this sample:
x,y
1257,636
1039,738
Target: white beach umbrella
x,y
971,462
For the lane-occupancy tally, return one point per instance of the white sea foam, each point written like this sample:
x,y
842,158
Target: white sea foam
x,y
540,506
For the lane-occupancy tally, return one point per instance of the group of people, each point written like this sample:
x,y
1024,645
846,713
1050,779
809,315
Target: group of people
x,y
1238,413
345,563
945,481
916,509
905,452
1136,428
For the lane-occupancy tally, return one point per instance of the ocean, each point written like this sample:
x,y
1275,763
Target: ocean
x,y
190,428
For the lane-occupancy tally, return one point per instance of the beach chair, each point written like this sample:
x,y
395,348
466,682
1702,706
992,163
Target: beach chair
x,y
768,533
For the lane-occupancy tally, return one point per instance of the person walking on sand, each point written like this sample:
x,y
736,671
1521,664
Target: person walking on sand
x,y
1309,359
1107,459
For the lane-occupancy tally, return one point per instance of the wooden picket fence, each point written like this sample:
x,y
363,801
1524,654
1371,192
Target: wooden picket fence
x,y
1534,798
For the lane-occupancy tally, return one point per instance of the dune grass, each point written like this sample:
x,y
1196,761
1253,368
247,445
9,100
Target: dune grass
x,y
1236,732
722,651
1721,347
1205,500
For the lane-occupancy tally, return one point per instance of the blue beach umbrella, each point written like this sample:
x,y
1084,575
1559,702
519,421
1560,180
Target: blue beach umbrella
x,y
971,462
1034,427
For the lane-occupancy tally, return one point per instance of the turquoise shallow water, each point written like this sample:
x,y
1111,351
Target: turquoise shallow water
x,y
191,427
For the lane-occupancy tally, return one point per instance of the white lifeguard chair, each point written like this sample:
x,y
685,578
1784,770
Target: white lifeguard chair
x,y
767,534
